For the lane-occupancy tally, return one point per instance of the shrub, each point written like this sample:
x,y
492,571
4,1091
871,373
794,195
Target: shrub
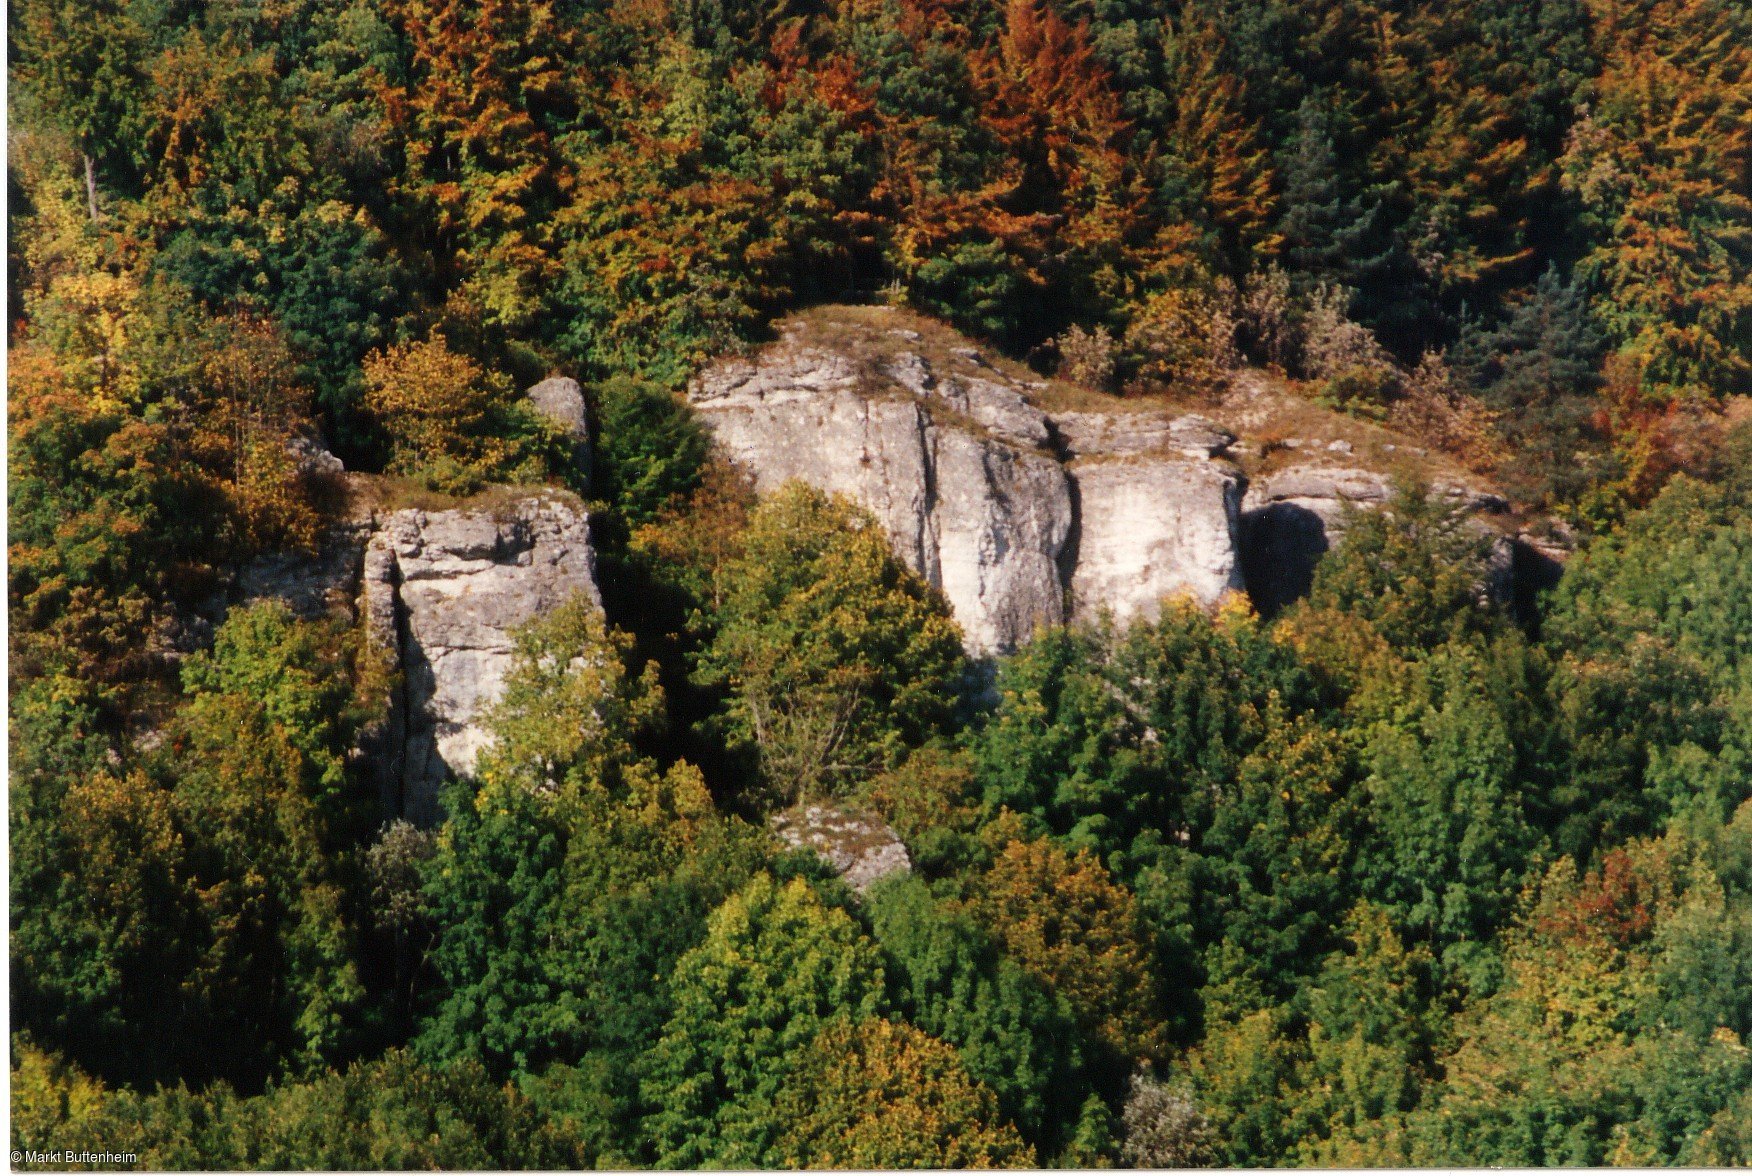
x,y
447,418
1087,357
1183,337
1433,408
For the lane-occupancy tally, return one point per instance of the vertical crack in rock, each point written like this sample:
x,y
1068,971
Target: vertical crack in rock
x,y
1005,509
446,591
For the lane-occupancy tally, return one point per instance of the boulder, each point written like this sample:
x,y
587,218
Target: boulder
x,y
312,458
444,592
860,847
560,400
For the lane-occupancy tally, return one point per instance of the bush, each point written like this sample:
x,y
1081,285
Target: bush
x,y
1182,337
1164,1128
1356,373
450,422
1434,409
1087,357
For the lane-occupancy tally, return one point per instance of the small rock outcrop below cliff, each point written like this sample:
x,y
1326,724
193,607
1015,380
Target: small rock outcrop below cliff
x,y
560,400
1005,508
861,848
445,591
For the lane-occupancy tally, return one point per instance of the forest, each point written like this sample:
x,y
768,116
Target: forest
x,y
1400,874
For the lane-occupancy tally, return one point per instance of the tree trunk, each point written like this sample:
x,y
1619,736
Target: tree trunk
x,y
91,186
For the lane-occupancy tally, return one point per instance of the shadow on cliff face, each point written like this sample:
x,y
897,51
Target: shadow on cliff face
x,y
423,769
1280,545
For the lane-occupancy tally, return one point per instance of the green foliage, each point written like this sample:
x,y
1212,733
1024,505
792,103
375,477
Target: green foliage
x,y
650,452
1415,570
206,884
1449,843
390,1114
1573,1061
1311,863
950,980
1070,926
1277,867
879,1094
1540,370
1651,625
1111,736
577,873
777,966
836,657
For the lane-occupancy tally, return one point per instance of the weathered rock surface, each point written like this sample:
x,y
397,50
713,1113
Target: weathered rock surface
x,y
971,482
323,583
445,591
1084,434
974,505
1153,527
313,458
860,847
561,400
1294,516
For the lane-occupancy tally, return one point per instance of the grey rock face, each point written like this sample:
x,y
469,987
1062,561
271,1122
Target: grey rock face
x,y
1154,527
861,848
1113,434
313,457
974,508
311,585
561,401
445,591
1117,433
970,481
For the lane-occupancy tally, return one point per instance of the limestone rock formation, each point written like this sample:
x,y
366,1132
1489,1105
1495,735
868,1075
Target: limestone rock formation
x,y
445,591
1112,434
974,504
971,480
561,401
861,848
1153,527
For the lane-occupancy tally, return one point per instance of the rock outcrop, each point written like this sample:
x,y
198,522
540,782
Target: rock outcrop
x,y
1004,508
1291,518
1156,515
445,591
974,503
861,848
560,400
1154,527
